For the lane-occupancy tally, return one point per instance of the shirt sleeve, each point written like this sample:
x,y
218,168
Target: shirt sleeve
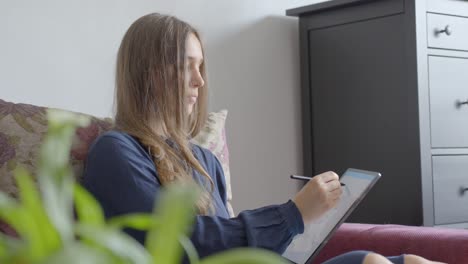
x,y
122,178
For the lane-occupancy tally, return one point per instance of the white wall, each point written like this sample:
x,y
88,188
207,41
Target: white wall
x,y
61,54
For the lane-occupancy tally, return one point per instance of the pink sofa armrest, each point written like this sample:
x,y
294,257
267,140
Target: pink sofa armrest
x,y
440,244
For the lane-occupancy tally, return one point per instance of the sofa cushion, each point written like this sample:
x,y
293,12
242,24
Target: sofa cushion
x,y
213,137
22,129
438,244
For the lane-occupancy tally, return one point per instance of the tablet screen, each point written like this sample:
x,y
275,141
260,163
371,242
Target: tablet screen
x,y
306,246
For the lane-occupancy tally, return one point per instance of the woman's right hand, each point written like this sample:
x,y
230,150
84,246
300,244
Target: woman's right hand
x,y
318,196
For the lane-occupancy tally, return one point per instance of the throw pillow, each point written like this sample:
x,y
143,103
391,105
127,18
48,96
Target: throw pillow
x,y
213,137
22,130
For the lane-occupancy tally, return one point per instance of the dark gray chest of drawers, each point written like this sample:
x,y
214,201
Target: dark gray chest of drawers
x,y
385,88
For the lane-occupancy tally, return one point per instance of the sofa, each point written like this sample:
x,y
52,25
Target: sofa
x,y
23,126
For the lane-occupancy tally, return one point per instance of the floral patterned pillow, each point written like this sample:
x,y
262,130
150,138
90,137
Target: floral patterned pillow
x,y
22,130
213,137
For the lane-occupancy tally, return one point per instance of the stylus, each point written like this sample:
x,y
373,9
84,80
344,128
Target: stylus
x,y
305,178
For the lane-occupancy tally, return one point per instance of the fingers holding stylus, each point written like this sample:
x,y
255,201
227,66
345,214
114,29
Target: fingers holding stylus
x,y
319,195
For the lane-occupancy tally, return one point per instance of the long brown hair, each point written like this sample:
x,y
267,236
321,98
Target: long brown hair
x,y
150,98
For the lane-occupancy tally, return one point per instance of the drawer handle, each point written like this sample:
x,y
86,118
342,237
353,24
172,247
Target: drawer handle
x,y
460,103
463,190
446,30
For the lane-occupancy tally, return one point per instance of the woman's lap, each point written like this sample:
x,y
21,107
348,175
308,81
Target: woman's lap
x,y
357,257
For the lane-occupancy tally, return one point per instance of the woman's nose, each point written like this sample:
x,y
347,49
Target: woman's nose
x,y
197,80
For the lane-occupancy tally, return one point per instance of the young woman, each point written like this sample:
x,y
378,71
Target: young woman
x,y
161,102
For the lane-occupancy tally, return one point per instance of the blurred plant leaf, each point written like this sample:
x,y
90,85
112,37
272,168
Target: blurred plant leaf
x,y
116,242
136,221
55,151
12,250
12,213
245,256
176,212
77,253
58,205
55,176
43,238
18,218
4,248
88,210
191,251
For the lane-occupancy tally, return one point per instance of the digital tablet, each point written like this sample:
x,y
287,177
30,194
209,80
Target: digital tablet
x,y
306,246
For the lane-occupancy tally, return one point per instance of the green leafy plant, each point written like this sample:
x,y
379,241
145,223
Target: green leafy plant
x,y
48,232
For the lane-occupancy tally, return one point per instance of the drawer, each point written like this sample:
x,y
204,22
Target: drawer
x,y
448,96
447,32
453,7
450,176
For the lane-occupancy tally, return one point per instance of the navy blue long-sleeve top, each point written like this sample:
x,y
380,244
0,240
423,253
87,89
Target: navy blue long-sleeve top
x,y
122,176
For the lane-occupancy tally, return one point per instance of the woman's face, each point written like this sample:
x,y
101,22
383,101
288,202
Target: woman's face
x,y
193,78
